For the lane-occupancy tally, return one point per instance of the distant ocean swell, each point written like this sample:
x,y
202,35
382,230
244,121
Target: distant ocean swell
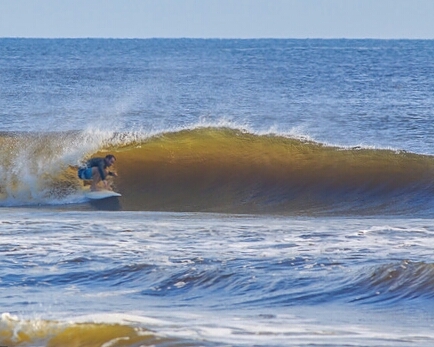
x,y
215,169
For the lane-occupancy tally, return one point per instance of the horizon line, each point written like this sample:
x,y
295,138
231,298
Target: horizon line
x,y
211,38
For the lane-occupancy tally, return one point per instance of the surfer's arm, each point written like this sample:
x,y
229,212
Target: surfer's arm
x,y
101,170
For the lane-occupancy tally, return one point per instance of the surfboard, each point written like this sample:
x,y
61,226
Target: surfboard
x,y
100,194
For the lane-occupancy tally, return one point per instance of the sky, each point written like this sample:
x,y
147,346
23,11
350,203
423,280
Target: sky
x,y
383,19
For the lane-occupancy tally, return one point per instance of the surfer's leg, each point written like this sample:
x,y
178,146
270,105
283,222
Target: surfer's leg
x,y
96,178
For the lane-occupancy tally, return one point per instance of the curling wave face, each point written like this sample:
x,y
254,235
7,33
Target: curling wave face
x,y
216,169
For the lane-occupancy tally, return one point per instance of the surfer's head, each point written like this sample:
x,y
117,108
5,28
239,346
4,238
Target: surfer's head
x,y
109,159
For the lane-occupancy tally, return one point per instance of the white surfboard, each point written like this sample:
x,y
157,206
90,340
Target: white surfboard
x,y
100,194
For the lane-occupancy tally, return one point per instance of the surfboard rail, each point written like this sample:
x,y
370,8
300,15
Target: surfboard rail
x,y
100,194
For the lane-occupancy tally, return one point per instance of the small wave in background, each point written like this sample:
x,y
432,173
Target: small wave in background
x,y
192,279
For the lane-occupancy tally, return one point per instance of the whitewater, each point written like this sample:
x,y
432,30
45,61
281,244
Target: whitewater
x,y
274,193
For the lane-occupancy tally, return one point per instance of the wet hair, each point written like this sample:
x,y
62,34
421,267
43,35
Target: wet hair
x,y
110,156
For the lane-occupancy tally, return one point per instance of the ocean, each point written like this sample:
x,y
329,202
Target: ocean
x,y
274,192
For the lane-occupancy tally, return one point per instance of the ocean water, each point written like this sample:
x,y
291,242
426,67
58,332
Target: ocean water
x,y
274,193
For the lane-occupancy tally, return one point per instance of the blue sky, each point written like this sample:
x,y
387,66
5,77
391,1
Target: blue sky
x,y
218,18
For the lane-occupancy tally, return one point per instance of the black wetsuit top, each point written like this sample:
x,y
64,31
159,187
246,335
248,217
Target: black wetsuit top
x,y
100,164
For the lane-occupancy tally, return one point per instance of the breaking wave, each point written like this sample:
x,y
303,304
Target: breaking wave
x,y
218,169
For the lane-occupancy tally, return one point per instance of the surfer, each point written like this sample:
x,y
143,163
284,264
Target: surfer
x,y
96,170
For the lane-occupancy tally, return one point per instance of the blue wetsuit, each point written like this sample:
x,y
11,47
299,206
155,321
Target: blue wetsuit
x,y
85,173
